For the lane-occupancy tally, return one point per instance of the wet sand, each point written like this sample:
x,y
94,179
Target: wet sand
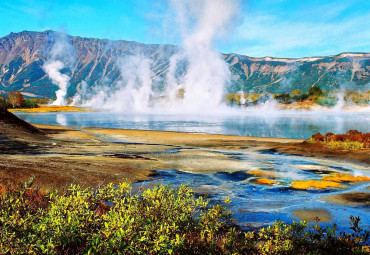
x,y
355,199
57,156
235,143
313,215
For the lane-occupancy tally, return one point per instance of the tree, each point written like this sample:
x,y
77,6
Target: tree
x,y
15,99
12,98
315,91
296,93
20,99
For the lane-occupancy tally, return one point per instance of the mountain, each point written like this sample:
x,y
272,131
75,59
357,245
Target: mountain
x,y
96,61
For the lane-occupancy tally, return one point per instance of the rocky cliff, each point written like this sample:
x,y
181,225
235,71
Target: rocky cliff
x,y
23,54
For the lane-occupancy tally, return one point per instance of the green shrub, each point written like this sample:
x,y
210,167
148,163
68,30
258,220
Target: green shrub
x,y
315,91
283,98
327,101
351,140
311,140
161,220
30,104
346,145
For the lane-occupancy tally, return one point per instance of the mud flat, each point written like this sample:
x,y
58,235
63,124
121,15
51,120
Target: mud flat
x,y
351,199
235,143
313,215
58,155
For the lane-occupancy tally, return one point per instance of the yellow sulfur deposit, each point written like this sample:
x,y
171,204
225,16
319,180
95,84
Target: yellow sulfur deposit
x,y
317,184
345,178
51,108
262,173
265,181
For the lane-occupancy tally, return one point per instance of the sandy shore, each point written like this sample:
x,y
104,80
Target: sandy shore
x,y
235,143
51,108
90,156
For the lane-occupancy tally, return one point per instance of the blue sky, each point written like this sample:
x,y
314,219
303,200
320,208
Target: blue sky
x,y
279,28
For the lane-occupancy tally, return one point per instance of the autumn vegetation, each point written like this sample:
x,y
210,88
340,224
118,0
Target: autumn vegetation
x,y
351,140
15,99
162,220
314,95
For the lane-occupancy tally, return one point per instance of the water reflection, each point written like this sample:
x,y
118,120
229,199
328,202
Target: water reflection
x,y
298,125
61,119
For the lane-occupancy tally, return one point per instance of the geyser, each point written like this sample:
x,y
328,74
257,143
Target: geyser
x,y
207,73
132,93
53,70
199,87
61,53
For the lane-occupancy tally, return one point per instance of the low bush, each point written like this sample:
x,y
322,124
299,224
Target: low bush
x,y
327,101
345,145
359,97
351,140
161,220
283,98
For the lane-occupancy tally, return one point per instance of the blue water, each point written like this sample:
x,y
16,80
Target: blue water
x,y
253,205
256,205
299,125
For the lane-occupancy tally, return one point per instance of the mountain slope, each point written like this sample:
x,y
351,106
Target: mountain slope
x,y
96,61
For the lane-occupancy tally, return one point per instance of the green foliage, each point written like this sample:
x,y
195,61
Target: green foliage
x,y
358,97
15,99
315,91
296,92
161,220
326,101
283,98
346,145
311,140
4,103
295,96
351,140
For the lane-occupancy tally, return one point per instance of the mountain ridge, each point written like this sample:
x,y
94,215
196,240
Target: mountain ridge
x,y
23,54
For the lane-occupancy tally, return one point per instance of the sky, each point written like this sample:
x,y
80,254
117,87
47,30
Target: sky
x,y
277,28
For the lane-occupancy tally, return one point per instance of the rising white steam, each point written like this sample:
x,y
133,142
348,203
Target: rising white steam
x,y
133,93
53,68
61,56
198,88
80,94
207,73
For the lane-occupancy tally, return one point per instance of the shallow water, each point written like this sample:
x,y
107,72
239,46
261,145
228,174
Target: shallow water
x,y
257,205
253,205
299,125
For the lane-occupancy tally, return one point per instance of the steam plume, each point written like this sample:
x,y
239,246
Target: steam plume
x,y
61,53
197,69
53,68
207,73
133,92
